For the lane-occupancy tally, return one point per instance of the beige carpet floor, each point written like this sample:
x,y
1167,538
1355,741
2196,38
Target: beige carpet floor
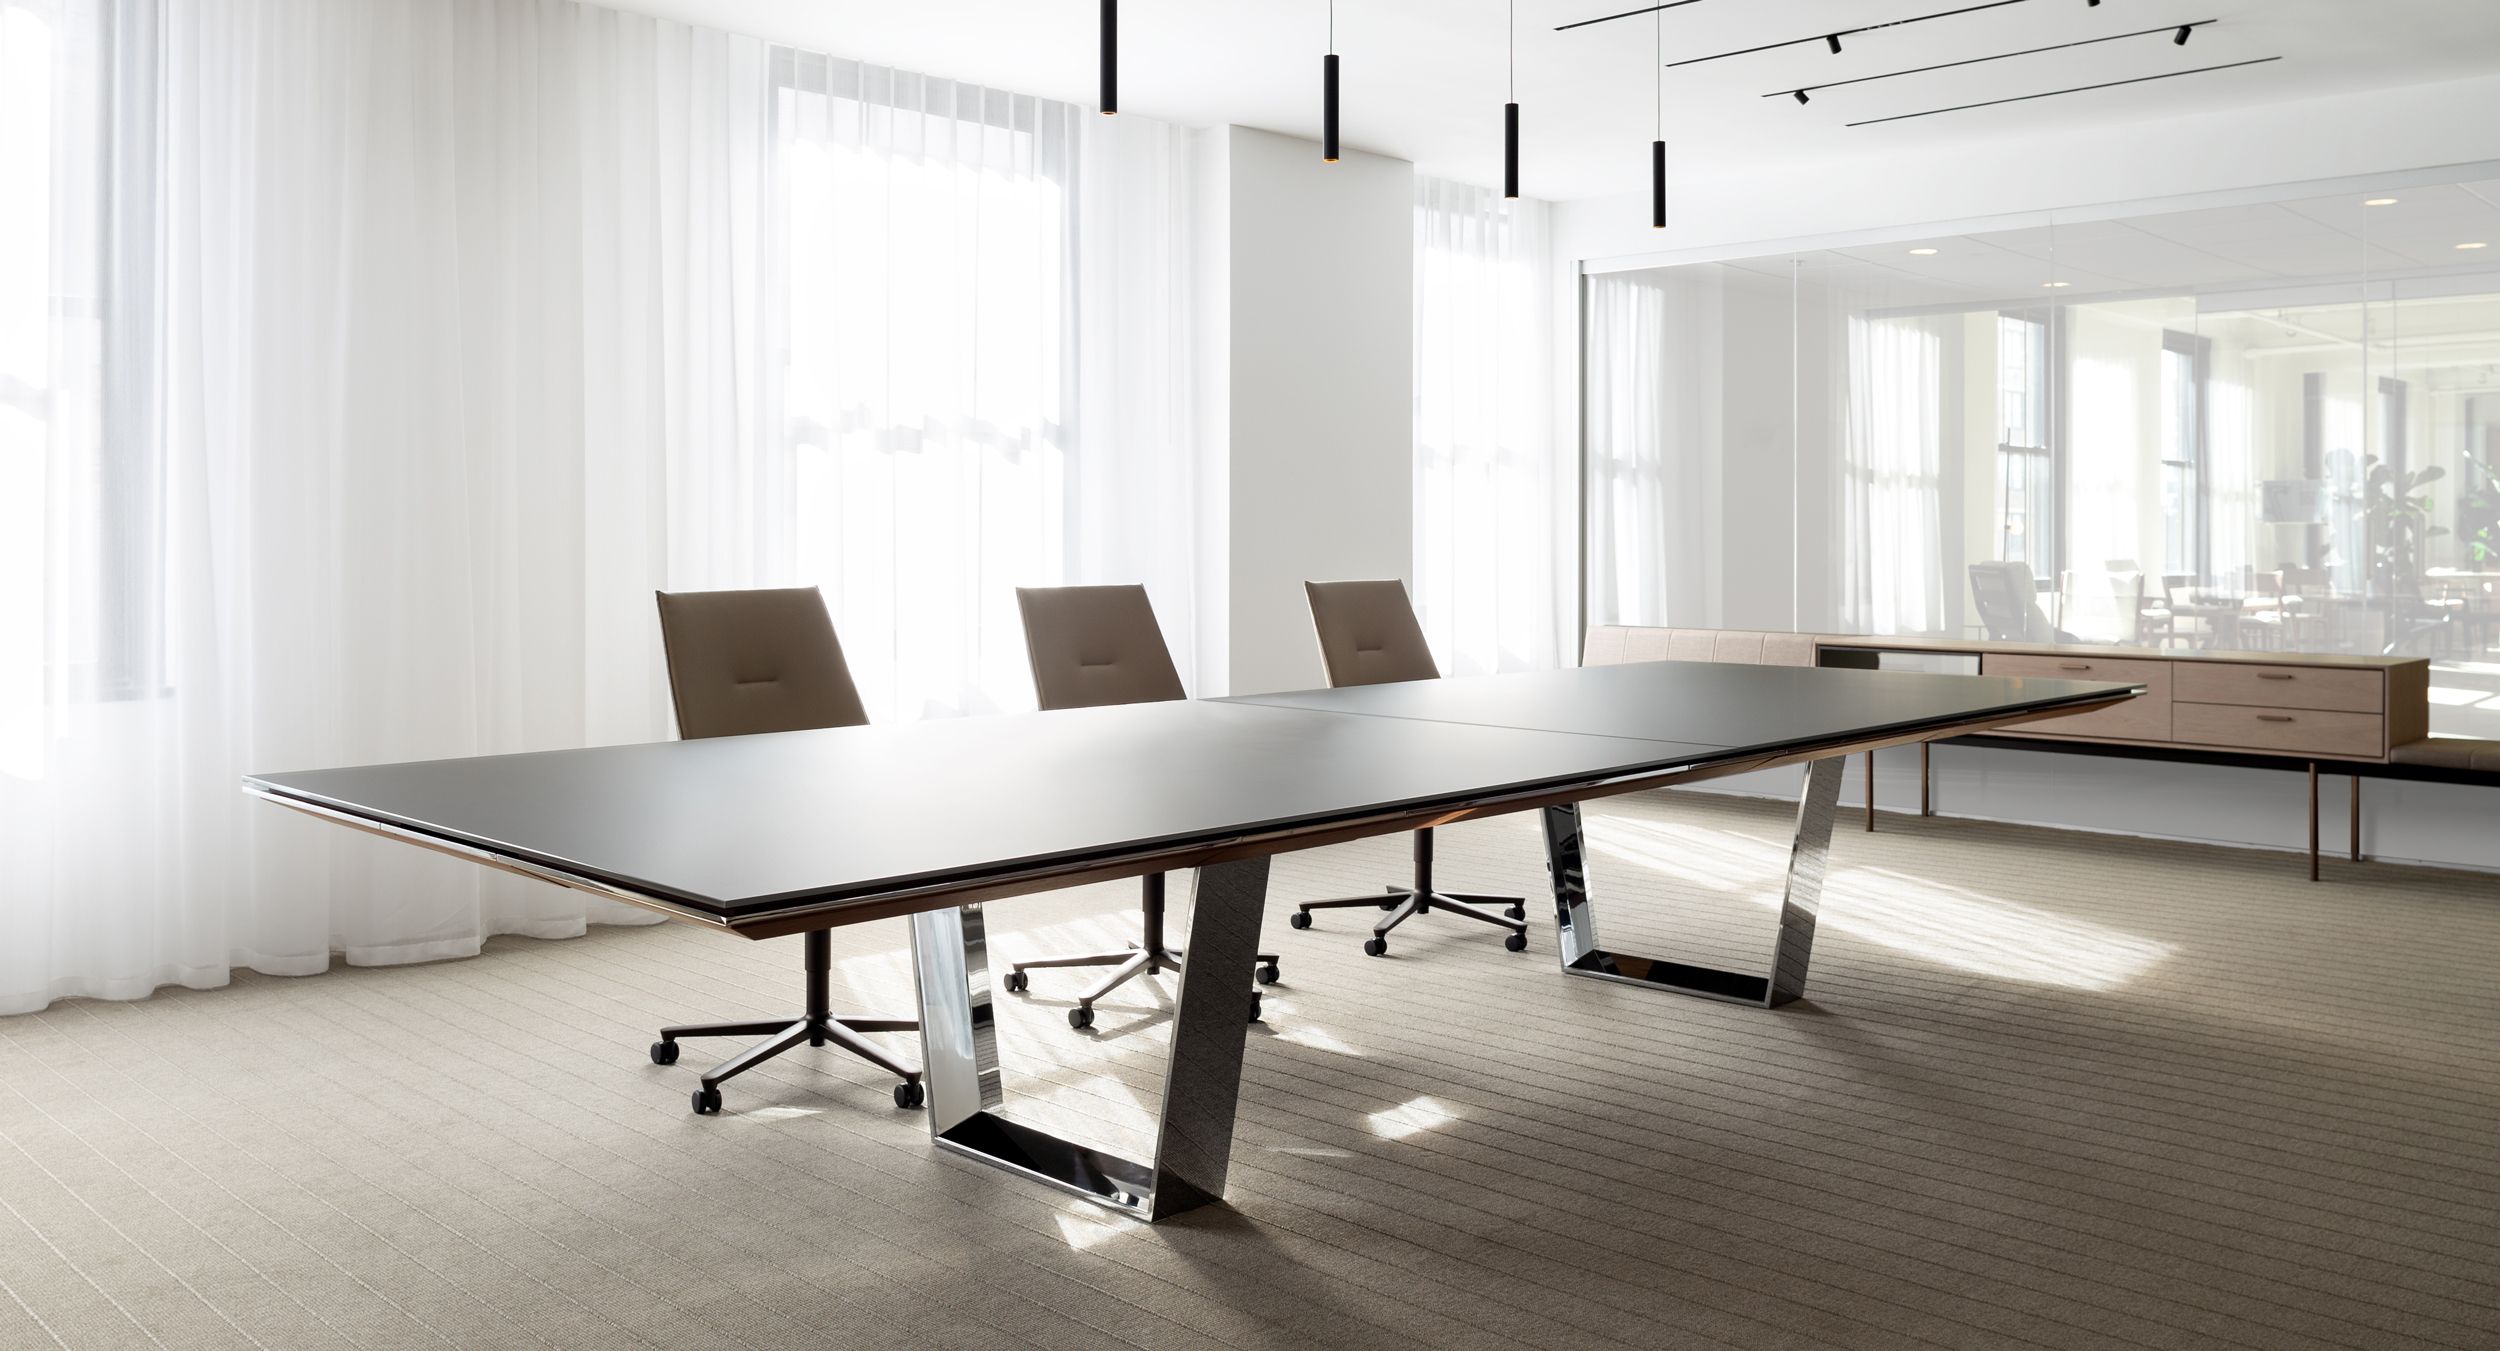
x,y
2048,1090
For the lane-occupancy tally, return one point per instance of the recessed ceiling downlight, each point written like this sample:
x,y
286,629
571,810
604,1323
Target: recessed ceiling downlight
x,y
1922,253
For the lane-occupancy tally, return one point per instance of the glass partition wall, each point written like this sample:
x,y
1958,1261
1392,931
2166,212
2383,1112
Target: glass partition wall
x,y
2271,427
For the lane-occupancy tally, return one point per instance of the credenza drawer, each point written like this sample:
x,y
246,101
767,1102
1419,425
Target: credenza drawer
x,y
2143,718
2297,731
2228,682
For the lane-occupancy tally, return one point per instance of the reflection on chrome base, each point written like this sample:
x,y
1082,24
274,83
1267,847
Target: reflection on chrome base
x,y
1210,1024
1575,916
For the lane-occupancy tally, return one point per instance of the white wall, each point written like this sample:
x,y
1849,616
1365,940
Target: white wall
x,y
1307,370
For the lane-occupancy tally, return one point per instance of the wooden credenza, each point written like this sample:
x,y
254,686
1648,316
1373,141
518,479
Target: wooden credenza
x,y
2274,705
2270,710
2284,710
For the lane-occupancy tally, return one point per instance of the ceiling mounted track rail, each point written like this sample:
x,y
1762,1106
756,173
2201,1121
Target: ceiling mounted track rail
x,y
1627,14
2166,30
2078,89
1831,38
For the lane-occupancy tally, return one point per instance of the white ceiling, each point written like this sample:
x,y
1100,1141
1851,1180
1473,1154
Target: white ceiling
x,y
1424,78
2274,251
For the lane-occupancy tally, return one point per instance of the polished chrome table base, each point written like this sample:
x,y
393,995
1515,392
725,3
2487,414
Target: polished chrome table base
x,y
1575,914
1210,1023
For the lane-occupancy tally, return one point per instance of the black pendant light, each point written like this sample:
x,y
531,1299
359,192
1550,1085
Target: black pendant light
x,y
1658,147
1510,114
1110,57
1328,83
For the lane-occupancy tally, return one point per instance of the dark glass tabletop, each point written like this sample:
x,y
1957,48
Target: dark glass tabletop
x,y
742,825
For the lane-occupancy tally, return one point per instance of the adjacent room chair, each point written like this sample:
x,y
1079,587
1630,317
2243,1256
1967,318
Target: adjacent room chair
x,y
1368,635
2009,604
741,662
1091,646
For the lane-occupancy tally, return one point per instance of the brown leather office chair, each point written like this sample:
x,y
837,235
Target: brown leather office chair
x,y
744,662
1091,646
1368,635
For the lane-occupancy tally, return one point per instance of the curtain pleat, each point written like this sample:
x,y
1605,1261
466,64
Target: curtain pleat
x,y
1492,586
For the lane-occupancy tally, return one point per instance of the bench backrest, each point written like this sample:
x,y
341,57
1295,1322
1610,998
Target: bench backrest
x,y
1615,644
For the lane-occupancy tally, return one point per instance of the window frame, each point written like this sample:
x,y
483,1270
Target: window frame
x,y
2042,466
2196,504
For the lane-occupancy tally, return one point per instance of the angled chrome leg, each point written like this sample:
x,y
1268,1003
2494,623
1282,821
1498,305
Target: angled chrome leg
x,y
1210,1023
1575,915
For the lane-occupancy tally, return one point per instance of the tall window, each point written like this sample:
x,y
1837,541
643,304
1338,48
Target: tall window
x,y
1485,489
2186,546
924,237
2026,465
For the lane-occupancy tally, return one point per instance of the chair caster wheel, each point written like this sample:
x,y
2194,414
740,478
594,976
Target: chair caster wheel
x,y
910,1095
664,1053
1516,942
1389,904
1254,1006
1080,1018
1517,911
1375,947
1270,973
1301,919
1018,982
707,1102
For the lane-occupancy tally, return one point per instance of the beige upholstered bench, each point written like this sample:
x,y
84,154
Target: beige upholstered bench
x,y
2464,756
1616,644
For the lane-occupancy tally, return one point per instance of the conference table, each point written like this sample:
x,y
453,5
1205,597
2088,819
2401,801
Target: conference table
x,y
792,832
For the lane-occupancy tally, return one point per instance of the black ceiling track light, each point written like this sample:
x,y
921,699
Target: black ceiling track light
x,y
1800,93
1328,92
2078,89
1110,57
2185,30
1658,147
1510,114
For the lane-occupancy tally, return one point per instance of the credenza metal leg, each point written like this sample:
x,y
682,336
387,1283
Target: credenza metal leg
x,y
1870,791
2313,821
1926,798
1210,1023
1575,912
2356,818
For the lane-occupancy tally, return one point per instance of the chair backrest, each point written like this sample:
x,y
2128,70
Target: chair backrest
x,y
1095,645
741,662
2008,601
1368,634
2126,593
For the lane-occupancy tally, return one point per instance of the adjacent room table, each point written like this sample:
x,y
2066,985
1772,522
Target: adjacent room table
x,y
762,836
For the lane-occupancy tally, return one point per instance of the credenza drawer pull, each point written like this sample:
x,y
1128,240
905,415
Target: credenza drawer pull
x,y
2074,666
2274,717
2274,675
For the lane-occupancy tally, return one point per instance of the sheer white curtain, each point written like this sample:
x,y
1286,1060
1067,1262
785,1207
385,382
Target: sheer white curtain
x,y
472,323
1643,539
1490,584
1892,476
